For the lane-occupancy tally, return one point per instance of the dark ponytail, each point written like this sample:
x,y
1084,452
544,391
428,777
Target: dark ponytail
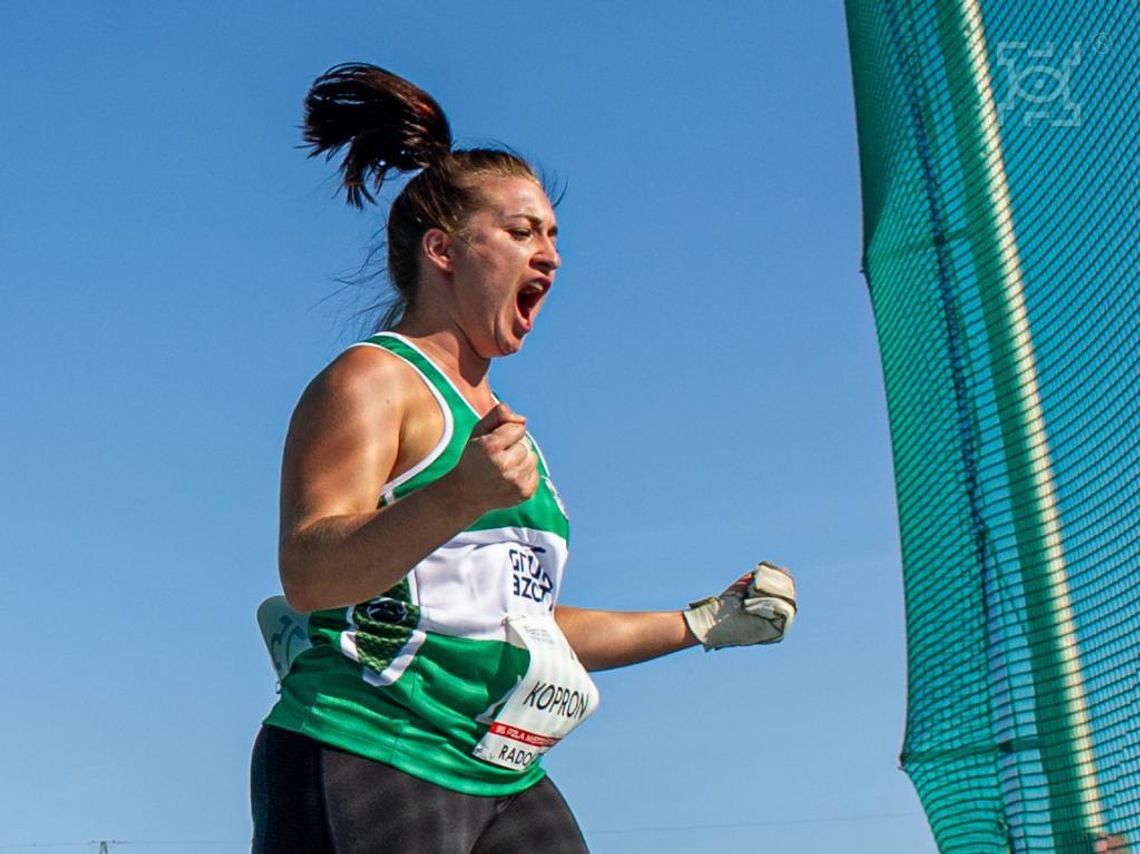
x,y
386,122
391,124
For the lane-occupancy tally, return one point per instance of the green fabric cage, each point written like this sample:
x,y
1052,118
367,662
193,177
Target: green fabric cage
x,y
1000,165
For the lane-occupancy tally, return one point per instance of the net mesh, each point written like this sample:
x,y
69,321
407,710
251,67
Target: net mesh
x,y
1000,174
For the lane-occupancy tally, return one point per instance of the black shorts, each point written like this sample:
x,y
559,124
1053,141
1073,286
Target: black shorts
x,y
310,798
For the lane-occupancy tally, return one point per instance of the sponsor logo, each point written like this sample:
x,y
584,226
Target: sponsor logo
x,y
532,739
281,642
528,578
385,611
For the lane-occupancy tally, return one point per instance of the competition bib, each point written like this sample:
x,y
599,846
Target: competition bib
x,y
554,696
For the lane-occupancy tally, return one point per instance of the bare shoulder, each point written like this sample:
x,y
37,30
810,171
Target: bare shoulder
x,y
366,371
359,399
344,437
361,383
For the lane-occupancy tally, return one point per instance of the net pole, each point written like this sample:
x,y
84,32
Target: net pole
x,y
1063,735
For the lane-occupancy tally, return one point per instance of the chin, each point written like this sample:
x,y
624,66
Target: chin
x,y
508,344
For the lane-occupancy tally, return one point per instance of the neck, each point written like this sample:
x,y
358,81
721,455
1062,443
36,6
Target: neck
x,y
449,348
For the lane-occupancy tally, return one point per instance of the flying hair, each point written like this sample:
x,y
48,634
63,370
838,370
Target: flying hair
x,y
386,122
389,124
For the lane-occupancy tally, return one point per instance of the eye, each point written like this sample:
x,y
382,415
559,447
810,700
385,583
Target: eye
x,y
521,233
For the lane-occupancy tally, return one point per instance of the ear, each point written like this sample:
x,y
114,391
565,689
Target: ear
x,y
438,248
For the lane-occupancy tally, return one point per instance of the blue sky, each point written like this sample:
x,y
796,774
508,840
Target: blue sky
x,y
704,381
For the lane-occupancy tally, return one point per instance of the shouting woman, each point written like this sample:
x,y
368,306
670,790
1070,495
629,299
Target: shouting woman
x,y
422,535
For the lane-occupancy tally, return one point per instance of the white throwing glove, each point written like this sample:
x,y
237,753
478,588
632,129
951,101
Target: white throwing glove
x,y
757,608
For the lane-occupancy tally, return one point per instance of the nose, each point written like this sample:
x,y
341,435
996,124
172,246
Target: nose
x,y
548,260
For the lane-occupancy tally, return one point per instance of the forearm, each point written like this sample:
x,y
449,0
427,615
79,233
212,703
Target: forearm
x,y
341,560
607,639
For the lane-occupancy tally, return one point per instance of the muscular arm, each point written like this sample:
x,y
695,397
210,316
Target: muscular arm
x,y
607,639
339,560
336,548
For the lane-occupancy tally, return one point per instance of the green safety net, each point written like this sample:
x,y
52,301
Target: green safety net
x,y
999,145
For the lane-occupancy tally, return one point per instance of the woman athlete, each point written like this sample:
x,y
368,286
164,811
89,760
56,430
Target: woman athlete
x,y
422,534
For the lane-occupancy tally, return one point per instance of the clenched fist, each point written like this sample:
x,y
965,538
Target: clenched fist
x,y
758,607
499,467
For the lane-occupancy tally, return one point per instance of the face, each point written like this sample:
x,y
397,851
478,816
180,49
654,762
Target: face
x,y
504,265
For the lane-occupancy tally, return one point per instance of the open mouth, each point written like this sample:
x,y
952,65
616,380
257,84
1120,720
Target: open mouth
x,y
529,298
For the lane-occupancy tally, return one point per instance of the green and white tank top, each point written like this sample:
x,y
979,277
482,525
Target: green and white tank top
x,y
413,677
